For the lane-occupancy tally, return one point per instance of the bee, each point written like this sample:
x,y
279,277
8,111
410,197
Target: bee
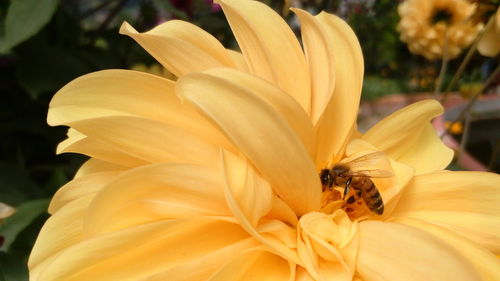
x,y
345,175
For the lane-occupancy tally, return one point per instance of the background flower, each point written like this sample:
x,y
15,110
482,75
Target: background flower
x,y
434,27
489,45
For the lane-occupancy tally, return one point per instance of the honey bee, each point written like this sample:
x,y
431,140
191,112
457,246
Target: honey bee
x,y
346,175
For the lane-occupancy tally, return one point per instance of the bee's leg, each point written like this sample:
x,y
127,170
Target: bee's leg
x,y
353,198
346,189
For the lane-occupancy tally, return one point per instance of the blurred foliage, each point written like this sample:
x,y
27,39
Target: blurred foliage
x,y
44,44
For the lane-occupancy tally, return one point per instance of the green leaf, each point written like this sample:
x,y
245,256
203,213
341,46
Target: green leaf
x,y
24,19
64,67
25,214
12,269
167,6
16,185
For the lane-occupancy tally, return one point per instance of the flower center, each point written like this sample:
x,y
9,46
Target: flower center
x,y
441,15
333,199
328,244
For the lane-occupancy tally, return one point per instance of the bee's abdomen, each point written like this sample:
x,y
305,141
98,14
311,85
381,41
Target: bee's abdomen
x,y
372,198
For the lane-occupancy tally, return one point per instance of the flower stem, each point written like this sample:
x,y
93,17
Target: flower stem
x,y
465,61
444,67
474,98
465,135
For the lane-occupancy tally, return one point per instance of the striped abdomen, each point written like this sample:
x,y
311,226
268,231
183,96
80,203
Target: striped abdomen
x,y
370,195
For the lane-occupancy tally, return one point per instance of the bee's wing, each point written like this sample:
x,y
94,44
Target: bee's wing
x,y
367,160
361,166
372,173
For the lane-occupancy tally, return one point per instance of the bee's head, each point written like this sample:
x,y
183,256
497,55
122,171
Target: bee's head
x,y
325,177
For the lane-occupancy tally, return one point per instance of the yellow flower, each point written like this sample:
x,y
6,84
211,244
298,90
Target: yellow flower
x,y
489,45
5,211
432,27
216,176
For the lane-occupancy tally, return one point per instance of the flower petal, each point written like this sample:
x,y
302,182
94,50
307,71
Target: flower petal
x,y
181,47
485,262
407,137
205,266
286,106
252,194
319,52
270,48
236,172
489,45
156,192
138,252
463,202
100,150
149,140
239,60
127,93
93,165
64,226
262,134
80,187
390,251
255,264
339,117
327,245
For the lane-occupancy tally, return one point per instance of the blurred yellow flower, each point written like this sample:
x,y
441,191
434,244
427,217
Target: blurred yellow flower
x,y
433,27
217,176
5,211
489,45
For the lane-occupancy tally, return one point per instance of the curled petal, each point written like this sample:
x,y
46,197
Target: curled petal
x,y
261,133
181,47
327,244
238,175
340,114
408,137
252,194
270,48
390,251
463,202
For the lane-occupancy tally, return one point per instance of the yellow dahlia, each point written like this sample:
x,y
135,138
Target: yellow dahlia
x,y
489,45
433,27
216,176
